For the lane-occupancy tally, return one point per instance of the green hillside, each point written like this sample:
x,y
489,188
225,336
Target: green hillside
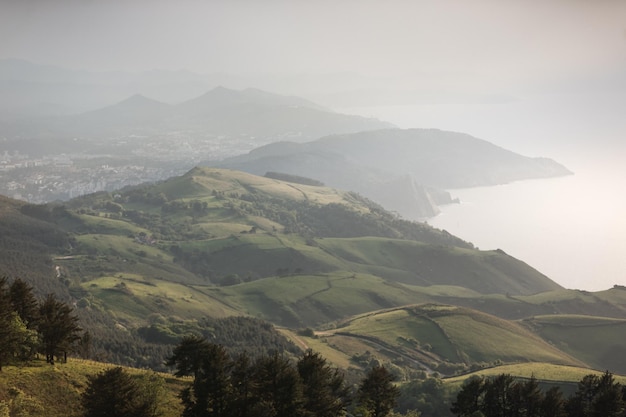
x,y
145,265
549,375
48,391
599,341
217,223
231,239
444,338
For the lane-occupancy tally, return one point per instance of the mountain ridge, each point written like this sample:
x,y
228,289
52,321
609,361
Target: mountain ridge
x,y
237,116
419,163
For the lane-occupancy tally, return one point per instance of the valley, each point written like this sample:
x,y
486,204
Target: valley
x,y
274,241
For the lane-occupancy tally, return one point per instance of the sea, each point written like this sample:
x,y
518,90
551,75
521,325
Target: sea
x,y
571,228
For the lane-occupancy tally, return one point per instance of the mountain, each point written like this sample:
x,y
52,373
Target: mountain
x,y
133,112
265,117
401,169
221,97
440,158
222,120
25,86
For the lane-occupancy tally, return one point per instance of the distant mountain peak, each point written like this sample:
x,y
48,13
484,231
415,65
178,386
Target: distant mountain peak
x,y
135,103
137,96
220,97
134,108
140,99
221,91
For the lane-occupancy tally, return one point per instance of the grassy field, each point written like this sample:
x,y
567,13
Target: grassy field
x,y
599,341
104,225
132,298
549,374
422,264
42,390
312,300
456,335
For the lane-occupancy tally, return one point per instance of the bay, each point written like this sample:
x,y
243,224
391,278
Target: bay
x,y
573,228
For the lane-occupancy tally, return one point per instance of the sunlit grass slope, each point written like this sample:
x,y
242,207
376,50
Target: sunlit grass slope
x,y
310,300
540,370
548,374
42,390
598,341
132,298
422,264
456,335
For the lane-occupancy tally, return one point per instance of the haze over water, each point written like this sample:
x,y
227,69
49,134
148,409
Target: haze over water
x,y
572,228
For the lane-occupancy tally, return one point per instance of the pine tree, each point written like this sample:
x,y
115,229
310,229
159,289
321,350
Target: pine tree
x,y
58,327
597,396
608,401
114,393
210,392
377,393
324,389
24,302
469,398
580,404
188,355
527,399
244,386
499,398
553,404
279,388
6,319
18,341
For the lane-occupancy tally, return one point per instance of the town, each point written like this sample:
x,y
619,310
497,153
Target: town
x,y
127,160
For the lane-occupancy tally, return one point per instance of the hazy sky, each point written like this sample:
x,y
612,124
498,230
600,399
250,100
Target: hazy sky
x,y
521,49
476,45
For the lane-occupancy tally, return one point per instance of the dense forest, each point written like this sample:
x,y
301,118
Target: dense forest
x,y
223,384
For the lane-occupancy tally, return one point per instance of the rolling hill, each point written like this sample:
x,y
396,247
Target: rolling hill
x,y
148,264
436,335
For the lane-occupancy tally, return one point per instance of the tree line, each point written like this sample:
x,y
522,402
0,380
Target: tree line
x,y
29,326
269,386
274,385
504,396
